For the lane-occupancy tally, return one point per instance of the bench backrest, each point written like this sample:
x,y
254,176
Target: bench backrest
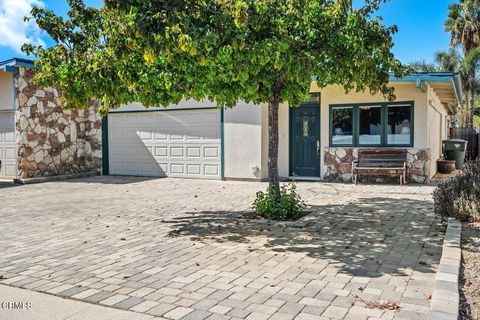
x,y
382,158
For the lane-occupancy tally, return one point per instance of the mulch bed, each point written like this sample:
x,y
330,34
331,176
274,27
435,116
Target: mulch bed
x,y
470,272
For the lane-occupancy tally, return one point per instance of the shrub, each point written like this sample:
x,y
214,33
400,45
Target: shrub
x,y
290,206
459,197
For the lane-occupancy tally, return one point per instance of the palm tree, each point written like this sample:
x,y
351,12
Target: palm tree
x,y
463,23
448,60
422,66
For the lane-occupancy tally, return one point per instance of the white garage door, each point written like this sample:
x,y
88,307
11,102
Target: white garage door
x,y
8,150
165,143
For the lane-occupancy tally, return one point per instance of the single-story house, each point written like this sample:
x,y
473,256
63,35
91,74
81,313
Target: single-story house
x,y
318,140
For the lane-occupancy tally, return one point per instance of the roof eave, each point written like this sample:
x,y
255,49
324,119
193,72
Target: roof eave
x,y
12,65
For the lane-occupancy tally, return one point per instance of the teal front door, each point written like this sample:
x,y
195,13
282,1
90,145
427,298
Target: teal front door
x,y
305,140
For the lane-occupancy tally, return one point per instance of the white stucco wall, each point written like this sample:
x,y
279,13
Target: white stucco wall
x,y
6,91
244,135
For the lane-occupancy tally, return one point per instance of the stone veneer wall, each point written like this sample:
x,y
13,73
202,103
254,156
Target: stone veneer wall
x,y
338,164
52,141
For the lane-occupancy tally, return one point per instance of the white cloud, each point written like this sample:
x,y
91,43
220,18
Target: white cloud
x,y
14,32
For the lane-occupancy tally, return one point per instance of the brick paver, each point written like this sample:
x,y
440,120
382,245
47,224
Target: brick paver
x,y
189,249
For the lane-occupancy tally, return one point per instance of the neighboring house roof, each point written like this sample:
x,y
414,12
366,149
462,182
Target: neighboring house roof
x,y
12,65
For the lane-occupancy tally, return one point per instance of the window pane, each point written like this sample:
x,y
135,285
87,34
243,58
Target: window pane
x,y
342,128
399,126
370,126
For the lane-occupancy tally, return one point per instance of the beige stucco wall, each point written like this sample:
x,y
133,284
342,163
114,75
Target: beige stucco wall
x,y
6,91
423,118
436,127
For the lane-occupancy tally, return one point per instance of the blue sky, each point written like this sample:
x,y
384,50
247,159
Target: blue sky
x,y
421,32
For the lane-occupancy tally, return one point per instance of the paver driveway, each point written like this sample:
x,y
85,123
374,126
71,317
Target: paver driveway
x,y
187,248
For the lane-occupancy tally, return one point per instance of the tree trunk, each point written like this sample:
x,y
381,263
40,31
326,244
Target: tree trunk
x,y
273,106
273,179
471,107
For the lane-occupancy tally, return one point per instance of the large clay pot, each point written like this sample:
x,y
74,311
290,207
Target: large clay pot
x,y
445,166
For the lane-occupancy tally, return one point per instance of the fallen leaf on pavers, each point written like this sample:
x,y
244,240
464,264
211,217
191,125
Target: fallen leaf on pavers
x,y
389,305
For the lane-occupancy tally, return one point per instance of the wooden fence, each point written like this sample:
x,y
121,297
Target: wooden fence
x,y
471,136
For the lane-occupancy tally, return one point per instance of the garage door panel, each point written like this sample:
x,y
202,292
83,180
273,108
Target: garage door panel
x,y
177,168
161,136
8,146
176,152
145,135
116,122
194,152
10,170
195,169
211,169
161,151
211,152
177,144
10,153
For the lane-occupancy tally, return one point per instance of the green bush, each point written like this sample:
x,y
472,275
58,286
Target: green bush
x,y
290,206
459,197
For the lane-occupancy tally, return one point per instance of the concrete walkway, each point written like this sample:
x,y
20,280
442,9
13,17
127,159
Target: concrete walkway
x,y
22,304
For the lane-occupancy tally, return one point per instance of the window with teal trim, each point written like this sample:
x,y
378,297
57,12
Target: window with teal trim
x,y
342,126
399,131
371,125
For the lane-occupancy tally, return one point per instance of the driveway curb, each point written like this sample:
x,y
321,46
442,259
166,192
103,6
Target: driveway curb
x,y
445,297
57,178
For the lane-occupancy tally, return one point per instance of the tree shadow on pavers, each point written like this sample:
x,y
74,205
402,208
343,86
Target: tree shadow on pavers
x,y
362,237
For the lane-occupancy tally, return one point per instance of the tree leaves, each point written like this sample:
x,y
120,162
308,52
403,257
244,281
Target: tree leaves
x,y
158,52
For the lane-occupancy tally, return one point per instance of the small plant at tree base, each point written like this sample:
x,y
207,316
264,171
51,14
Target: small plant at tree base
x,y
290,206
459,197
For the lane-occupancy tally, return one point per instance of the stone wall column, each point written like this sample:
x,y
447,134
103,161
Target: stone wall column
x,y
52,140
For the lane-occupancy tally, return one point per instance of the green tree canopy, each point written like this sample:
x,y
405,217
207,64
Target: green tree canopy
x,y
264,51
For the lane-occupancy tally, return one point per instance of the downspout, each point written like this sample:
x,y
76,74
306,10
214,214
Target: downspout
x,y
222,144
17,134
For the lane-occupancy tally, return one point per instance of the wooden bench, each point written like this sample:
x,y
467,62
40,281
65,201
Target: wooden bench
x,y
380,162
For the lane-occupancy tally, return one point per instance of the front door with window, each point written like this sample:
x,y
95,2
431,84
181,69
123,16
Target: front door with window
x,y
305,140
